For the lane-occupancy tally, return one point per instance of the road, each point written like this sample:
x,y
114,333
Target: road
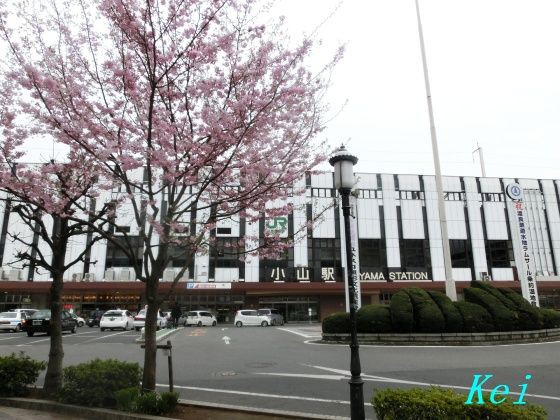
x,y
280,367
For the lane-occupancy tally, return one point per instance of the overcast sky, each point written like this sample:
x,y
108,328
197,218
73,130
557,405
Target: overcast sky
x,y
494,69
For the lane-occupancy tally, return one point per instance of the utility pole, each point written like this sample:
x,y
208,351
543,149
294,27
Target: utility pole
x,y
481,157
450,289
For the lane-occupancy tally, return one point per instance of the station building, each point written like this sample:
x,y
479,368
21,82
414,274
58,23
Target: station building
x,y
398,242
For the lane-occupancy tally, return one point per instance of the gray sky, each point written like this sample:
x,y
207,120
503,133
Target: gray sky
x,y
495,76
494,70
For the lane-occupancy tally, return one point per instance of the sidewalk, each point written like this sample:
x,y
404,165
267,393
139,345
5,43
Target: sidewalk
x,y
13,413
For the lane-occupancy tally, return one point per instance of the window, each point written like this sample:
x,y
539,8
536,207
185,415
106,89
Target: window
x,y
116,257
461,255
324,259
499,253
415,254
454,196
226,252
363,193
410,195
223,231
373,255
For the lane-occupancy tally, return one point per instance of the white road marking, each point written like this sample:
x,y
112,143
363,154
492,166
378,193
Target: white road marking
x,y
298,333
10,338
301,375
102,337
226,339
223,329
48,337
373,378
257,394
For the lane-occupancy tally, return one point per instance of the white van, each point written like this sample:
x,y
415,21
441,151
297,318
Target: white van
x,y
251,317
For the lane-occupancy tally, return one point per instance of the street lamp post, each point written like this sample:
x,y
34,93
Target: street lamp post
x,y
343,163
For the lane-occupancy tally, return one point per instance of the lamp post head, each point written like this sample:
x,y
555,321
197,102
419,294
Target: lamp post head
x,y
343,163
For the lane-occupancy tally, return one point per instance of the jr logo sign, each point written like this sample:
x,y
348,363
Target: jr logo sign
x,y
278,223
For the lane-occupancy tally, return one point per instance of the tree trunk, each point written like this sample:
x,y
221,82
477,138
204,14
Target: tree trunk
x,y
53,378
150,350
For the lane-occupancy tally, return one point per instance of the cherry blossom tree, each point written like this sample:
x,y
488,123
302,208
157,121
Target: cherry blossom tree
x,y
44,197
218,112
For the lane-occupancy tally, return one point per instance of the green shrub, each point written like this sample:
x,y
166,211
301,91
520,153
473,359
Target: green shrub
x,y
156,404
453,318
17,372
402,312
551,318
441,404
131,400
94,383
504,319
487,287
475,317
529,316
374,319
427,315
337,323
126,398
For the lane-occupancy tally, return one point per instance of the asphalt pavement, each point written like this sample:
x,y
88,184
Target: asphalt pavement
x,y
281,368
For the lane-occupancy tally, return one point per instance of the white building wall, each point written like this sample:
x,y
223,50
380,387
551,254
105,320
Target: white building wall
x,y
475,225
434,228
391,224
553,216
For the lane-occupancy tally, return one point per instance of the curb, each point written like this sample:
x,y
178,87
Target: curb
x,y
76,410
220,411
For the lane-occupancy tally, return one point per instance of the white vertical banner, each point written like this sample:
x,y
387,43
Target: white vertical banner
x,y
355,251
525,271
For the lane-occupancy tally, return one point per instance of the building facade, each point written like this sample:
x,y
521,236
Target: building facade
x,y
398,238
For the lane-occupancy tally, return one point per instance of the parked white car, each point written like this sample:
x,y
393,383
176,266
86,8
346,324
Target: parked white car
x,y
81,321
251,317
12,321
200,318
140,320
116,318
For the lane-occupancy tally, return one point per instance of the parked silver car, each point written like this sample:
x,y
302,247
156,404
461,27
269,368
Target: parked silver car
x,y
251,317
274,314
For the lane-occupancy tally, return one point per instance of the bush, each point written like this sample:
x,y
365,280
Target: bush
x,y
487,287
374,319
131,400
551,318
95,383
504,319
427,315
438,403
475,317
337,323
156,404
529,316
453,318
402,312
17,372
126,398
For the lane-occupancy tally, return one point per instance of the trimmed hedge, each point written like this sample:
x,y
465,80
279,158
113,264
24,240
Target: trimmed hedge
x,y
551,318
427,315
438,403
337,323
504,319
374,319
17,372
453,318
402,313
95,383
529,316
475,317
508,303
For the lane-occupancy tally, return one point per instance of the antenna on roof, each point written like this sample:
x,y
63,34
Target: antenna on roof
x,y
480,155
